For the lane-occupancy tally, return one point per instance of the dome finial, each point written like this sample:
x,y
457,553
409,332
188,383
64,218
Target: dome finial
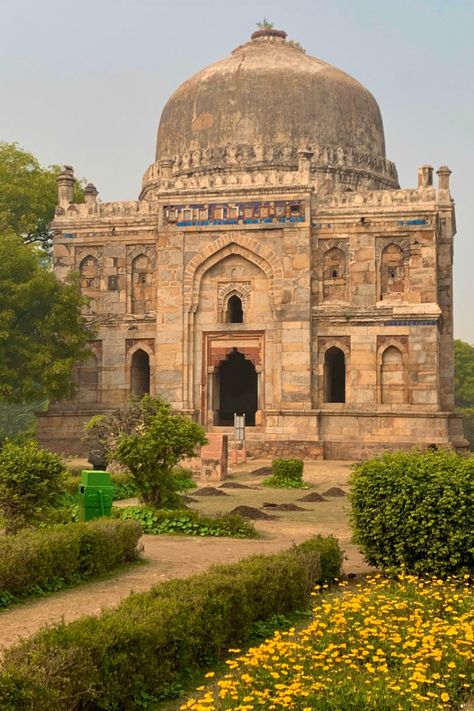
x,y
267,29
265,24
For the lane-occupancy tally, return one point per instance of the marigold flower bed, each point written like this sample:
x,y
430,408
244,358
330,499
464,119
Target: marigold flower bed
x,y
382,646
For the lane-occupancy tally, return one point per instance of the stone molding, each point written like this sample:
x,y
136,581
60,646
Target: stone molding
x,y
274,164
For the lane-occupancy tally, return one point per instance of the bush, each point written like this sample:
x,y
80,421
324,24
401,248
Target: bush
x,y
34,562
30,480
152,453
183,479
155,641
188,523
286,474
415,511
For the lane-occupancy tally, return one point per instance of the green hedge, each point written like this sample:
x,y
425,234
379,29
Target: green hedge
x,y
138,653
286,474
38,561
415,511
188,523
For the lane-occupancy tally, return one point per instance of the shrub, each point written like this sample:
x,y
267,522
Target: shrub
x,y
33,562
286,474
155,641
415,511
30,481
183,479
147,438
188,523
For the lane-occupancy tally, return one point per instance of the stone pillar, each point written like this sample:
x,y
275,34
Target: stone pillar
x,y
66,181
425,176
304,164
443,174
90,195
166,168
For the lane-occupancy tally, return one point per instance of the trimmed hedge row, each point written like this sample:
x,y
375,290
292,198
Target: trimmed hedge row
x,y
415,511
36,561
138,653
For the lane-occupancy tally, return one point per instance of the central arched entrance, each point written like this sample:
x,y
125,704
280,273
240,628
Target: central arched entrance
x,y
237,386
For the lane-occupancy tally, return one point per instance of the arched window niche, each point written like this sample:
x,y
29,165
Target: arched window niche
x,y
334,375
142,285
392,377
235,311
392,272
334,275
140,373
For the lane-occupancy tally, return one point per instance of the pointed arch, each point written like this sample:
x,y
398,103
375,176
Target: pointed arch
x,y
248,248
392,376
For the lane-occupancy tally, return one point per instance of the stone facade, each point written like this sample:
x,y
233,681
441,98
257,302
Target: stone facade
x,y
298,285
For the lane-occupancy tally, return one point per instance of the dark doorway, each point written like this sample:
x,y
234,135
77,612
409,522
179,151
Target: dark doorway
x,y
237,389
140,374
235,312
335,375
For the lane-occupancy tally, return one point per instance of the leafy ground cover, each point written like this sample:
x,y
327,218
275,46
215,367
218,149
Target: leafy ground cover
x,y
385,645
188,523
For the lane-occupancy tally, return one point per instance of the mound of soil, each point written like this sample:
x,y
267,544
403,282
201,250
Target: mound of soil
x,y
282,507
250,512
314,496
234,485
334,491
188,499
262,471
209,491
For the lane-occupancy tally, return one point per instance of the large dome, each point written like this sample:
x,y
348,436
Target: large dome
x,y
266,101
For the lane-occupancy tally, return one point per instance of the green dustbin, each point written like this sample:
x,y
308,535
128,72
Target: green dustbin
x,y
95,495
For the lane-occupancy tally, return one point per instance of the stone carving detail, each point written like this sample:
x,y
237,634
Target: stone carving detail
x,y
228,289
131,343
141,279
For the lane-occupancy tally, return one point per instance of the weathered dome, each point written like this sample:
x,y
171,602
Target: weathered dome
x,y
266,101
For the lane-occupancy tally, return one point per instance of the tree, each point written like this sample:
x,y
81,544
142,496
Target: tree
x,y
464,385
102,432
31,479
42,331
28,195
158,441
463,374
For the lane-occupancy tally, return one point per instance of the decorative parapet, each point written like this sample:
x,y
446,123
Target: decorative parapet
x,y
279,163
98,209
380,198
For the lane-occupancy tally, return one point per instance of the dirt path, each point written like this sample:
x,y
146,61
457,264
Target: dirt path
x,y
177,557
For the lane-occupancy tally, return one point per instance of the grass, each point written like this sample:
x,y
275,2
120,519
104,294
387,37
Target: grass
x,y
405,645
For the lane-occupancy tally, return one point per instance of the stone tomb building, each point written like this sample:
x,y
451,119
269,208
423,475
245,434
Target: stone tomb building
x,y
271,266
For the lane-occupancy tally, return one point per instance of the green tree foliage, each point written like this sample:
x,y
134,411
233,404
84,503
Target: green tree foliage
x,y
151,452
28,195
464,385
102,432
415,511
463,374
31,479
42,332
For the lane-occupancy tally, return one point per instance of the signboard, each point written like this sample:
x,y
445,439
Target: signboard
x,y
239,428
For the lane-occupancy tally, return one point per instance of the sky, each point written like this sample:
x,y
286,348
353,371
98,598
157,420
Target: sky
x,y
84,83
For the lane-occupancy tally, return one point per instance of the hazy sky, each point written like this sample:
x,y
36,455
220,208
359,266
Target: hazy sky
x,y
84,83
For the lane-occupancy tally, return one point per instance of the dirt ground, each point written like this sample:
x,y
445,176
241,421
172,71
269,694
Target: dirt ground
x,y
178,556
